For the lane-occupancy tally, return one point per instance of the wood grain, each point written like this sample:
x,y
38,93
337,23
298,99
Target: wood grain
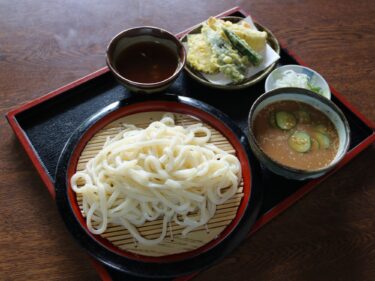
x,y
329,235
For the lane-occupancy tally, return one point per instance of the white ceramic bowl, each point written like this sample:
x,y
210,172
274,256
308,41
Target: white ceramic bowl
x,y
315,78
317,101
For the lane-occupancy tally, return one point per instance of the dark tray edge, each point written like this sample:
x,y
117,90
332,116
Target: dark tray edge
x,y
275,211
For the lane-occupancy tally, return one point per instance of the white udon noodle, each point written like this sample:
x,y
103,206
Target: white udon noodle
x,y
162,172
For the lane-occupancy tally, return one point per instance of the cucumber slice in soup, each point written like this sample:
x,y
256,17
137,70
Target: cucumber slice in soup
x,y
303,116
299,141
323,139
314,145
272,119
285,120
321,128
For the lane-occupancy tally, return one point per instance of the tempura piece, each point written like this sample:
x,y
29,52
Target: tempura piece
x,y
200,55
230,62
256,39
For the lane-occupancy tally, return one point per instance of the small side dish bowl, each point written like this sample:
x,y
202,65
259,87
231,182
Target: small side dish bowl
x,y
319,104
198,76
145,59
315,79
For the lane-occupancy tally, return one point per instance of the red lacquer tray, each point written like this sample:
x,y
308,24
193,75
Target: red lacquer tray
x,y
57,114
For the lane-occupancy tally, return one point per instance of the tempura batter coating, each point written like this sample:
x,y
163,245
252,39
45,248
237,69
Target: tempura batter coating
x,y
256,39
200,55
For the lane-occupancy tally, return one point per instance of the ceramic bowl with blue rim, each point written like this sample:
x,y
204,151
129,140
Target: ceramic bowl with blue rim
x,y
297,76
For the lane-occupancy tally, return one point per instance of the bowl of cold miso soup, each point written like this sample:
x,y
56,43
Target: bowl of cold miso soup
x,y
297,134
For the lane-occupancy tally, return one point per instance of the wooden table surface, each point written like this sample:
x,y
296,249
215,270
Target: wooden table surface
x,y
328,235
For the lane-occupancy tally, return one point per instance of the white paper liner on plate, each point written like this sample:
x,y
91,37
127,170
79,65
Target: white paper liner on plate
x,y
269,57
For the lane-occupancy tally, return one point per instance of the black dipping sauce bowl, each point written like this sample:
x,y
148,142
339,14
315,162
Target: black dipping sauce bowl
x,y
150,39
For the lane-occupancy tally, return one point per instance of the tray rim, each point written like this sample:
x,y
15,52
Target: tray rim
x,y
11,117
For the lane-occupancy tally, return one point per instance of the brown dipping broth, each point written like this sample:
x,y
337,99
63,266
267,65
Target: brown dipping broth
x,y
274,141
147,62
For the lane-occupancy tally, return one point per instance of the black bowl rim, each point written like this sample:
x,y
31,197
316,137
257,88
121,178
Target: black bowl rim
x,y
311,94
145,269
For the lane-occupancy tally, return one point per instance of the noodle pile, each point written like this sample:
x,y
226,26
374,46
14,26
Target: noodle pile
x,y
163,172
